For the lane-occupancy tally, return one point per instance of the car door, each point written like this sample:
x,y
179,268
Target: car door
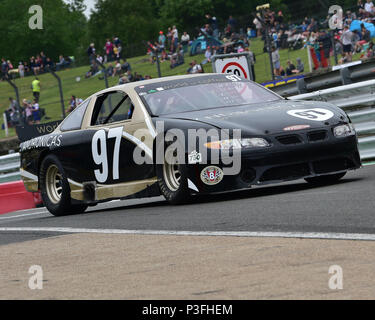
x,y
113,145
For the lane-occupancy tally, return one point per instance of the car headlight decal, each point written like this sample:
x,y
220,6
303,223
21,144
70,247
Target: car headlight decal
x,y
238,144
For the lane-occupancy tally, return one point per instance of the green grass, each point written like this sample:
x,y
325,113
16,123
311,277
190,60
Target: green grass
x,y
50,99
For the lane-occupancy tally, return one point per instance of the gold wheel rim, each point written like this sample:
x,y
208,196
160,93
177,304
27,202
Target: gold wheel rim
x,y
54,184
171,172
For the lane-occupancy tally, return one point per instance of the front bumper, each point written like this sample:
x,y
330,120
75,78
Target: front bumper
x,y
280,163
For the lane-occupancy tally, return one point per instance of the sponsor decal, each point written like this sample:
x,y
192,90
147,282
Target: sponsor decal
x,y
297,127
212,175
314,114
195,157
50,141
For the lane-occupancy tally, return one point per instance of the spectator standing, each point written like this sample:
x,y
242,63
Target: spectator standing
x,y
232,23
44,59
35,112
175,38
21,70
346,39
169,38
91,52
185,38
115,52
258,25
369,8
214,25
276,60
360,6
109,50
28,112
35,85
326,44
4,68
13,112
161,39
37,65
32,65
116,41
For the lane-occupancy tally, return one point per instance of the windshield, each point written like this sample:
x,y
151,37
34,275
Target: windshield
x,y
206,96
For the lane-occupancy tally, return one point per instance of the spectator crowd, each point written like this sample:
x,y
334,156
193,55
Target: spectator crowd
x,y
38,64
316,35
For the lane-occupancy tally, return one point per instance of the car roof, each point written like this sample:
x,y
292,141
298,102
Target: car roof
x,y
130,86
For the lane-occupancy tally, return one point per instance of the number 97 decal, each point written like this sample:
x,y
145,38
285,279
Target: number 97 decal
x,y
100,154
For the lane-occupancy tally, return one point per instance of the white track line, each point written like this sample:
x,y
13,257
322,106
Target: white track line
x,y
22,215
299,235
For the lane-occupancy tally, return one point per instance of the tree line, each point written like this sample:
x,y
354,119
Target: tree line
x,y
67,31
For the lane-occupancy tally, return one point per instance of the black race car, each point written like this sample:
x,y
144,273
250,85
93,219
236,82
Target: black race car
x,y
185,135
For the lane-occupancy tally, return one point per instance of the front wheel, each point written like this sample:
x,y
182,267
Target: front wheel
x,y
172,179
55,190
327,179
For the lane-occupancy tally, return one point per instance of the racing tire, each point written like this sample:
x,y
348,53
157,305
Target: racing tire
x,y
55,189
173,182
326,179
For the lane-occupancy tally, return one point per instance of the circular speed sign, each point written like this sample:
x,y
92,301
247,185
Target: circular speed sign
x,y
236,69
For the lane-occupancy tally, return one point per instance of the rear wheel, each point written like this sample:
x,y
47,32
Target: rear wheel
x,y
55,189
172,179
327,179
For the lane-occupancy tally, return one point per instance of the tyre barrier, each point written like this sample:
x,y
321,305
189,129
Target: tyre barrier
x,y
14,196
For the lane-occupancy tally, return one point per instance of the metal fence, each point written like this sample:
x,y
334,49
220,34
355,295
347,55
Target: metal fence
x,y
358,101
10,168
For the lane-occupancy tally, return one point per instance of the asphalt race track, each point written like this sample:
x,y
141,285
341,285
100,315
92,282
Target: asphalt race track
x,y
292,210
346,207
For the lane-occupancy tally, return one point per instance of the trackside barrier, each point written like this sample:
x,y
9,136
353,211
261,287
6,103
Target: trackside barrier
x,y
13,196
10,168
354,72
358,101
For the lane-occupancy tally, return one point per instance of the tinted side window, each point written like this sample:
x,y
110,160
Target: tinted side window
x,y
74,120
111,108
